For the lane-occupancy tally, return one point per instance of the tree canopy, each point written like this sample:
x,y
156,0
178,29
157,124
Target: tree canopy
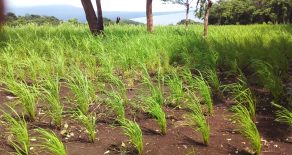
x,y
251,11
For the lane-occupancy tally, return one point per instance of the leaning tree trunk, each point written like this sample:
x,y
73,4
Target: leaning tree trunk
x,y
206,18
2,16
90,16
99,17
187,13
149,16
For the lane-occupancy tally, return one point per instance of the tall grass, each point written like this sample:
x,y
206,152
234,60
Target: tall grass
x,y
17,129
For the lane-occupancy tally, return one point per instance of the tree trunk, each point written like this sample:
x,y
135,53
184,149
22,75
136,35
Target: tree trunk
x,y
149,16
90,16
206,18
99,17
187,12
2,16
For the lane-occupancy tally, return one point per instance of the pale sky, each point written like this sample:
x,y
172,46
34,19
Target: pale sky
x,y
108,5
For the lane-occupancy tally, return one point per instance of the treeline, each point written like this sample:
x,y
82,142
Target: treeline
x,y
14,20
251,12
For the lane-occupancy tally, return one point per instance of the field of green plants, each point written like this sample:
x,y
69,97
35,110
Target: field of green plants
x,y
64,91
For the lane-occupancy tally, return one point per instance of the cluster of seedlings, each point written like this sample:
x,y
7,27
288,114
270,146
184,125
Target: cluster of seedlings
x,y
93,83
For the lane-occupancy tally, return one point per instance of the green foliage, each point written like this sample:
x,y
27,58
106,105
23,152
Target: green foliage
x,y
83,90
283,115
134,133
247,127
51,143
28,96
251,11
17,129
183,22
89,122
13,20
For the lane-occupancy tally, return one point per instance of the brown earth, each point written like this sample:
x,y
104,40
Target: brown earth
x,y
179,140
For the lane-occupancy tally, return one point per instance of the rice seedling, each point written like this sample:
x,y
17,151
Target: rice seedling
x,y
213,80
51,92
247,127
133,131
27,95
245,98
83,90
51,143
155,91
176,88
196,119
117,103
205,92
156,111
89,122
283,115
17,129
241,94
268,78
119,84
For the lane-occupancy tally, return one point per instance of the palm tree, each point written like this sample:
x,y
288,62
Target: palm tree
x,y
95,24
149,15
